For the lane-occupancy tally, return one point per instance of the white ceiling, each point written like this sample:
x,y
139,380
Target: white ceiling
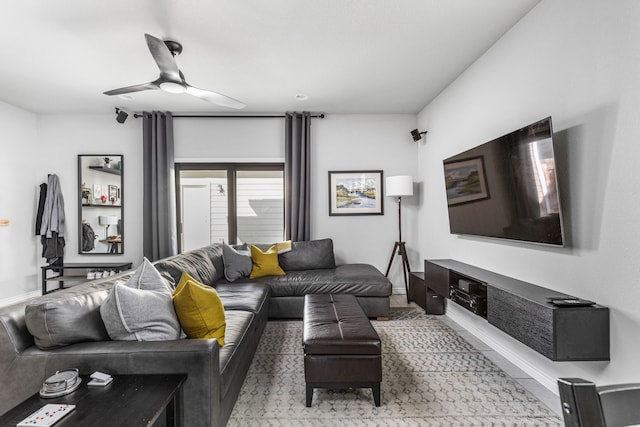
x,y
348,56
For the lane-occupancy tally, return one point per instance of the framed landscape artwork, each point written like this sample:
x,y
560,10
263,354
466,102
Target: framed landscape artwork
x,y
466,181
355,193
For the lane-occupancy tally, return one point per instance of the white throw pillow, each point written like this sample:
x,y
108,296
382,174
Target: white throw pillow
x,y
141,309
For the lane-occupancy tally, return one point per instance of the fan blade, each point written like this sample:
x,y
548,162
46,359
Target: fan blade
x,y
163,57
215,98
135,88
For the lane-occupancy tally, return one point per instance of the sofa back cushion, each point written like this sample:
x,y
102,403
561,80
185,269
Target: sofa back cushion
x,y
60,320
203,264
309,255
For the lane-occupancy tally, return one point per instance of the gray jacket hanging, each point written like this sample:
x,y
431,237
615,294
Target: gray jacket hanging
x,y
53,219
53,222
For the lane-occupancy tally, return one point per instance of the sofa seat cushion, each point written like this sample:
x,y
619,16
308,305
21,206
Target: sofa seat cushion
x,y
248,296
362,280
204,264
231,356
59,319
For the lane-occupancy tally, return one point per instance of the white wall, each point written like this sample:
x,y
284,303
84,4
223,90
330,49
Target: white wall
x,y
365,142
229,140
577,61
19,187
60,139
36,145
339,142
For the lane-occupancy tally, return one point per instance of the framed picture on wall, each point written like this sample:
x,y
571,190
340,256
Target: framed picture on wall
x,y
356,193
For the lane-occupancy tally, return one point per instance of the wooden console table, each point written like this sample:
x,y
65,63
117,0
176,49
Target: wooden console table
x,y
425,297
130,400
114,243
61,277
523,310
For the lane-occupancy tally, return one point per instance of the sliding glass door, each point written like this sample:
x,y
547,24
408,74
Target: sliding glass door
x,y
235,203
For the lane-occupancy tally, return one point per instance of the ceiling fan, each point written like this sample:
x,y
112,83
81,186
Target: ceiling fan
x,y
171,78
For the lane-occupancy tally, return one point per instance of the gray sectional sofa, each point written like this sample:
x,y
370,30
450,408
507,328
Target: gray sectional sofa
x,y
74,336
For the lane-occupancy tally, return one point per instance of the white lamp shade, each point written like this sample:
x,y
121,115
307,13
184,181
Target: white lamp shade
x,y
398,186
108,220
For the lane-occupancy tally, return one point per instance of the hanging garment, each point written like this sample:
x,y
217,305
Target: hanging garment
x,y
53,215
53,222
41,201
53,248
88,237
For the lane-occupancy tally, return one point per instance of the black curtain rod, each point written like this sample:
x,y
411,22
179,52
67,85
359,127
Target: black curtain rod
x,y
237,116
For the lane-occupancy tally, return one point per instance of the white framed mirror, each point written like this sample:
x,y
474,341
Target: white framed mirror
x,y
100,204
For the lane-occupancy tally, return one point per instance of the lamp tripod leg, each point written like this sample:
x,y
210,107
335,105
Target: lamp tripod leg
x,y
405,269
400,249
393,254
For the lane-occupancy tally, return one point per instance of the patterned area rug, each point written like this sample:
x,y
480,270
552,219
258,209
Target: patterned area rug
x,y
431,377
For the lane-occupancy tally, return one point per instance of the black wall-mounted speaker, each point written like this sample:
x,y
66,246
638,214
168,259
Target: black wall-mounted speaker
x,y
417,135
121,116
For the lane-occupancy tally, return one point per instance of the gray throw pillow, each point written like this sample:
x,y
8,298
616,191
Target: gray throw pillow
x,y
141,309
237,262
309,255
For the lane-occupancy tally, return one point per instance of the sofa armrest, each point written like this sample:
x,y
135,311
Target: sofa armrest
x,y
198,358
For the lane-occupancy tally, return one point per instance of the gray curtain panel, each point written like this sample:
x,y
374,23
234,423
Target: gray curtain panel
x,y
159,199
297,176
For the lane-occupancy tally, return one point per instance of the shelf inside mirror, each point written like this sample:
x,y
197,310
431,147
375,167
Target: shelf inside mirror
x,y
114,171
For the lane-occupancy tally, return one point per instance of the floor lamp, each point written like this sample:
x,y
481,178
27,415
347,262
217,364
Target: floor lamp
x,y
400,186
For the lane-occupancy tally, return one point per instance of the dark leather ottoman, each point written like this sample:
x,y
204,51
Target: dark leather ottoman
x,y
341,348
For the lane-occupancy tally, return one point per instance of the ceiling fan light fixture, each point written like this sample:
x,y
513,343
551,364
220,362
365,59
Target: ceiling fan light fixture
x,y
171,79
173,87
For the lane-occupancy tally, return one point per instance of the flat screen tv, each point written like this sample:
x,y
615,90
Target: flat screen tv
x,y
507,188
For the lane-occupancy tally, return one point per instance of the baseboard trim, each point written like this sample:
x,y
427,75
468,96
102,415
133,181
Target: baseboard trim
x,y
542,377
18,298
398,291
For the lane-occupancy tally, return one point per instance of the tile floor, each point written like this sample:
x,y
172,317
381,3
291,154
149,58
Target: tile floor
x,y
541,392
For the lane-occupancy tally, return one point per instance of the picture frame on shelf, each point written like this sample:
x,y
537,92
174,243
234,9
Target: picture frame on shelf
x,y
357,192
113,193
97,192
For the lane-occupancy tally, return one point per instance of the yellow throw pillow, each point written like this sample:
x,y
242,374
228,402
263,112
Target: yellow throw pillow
x,y
199,309
265,263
